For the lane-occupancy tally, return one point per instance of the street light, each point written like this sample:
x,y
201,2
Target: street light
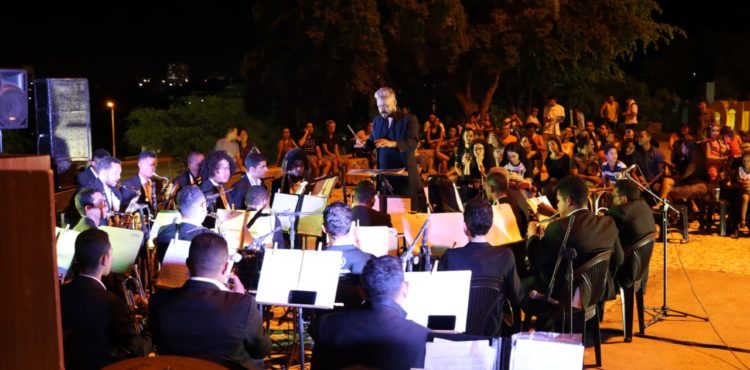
x,y
111,105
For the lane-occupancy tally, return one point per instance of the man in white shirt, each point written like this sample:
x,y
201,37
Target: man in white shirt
x,y
554,114
631,114
142,185
256,169
110,170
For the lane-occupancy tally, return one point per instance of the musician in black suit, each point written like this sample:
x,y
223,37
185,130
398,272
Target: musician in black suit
x,y
206,319
143,185
634,219
106,183
337,224
192,206
633,216
191,176
90,173
483,259
256,169
97,327
590,235
396,135
364,199
380,337
92,206
498,192
215,171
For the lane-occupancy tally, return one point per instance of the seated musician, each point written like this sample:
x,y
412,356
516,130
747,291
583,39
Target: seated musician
x,y
337,224
142,185
256,199
92,206
191,176
364,199
191,203
589,235
380,337
97,326
255,170
109,169
206,319
498,192
483,259
90,173
216,170
295,174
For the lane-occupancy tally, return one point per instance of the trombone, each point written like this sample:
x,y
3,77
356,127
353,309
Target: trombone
x,y
129,285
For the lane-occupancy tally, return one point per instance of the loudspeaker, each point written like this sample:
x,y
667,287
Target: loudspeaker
x,y
14,101
63,119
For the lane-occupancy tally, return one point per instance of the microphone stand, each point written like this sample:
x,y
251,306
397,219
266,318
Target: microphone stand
x,y
406,260
664,311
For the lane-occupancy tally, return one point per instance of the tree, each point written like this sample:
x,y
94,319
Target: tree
x,y
193,123
472,45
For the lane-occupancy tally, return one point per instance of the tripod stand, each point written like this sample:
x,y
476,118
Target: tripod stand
x,y
664,311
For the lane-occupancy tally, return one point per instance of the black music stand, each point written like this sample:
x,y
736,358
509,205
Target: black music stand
x,y
664,311
381,181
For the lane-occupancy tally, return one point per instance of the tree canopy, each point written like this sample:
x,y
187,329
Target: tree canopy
x,y
323,59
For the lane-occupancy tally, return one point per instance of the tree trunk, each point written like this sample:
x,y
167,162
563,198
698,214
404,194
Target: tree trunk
x,y
488,95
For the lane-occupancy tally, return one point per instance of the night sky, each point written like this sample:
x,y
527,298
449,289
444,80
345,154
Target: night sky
x,y
115,45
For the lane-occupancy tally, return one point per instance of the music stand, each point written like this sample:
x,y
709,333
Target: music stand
x,y
301,279
382,182
293,221
664,311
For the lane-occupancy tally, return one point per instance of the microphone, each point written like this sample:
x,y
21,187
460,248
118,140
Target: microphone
x,y
541,297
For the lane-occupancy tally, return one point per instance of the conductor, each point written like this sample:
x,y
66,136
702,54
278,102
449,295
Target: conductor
x,y
396,135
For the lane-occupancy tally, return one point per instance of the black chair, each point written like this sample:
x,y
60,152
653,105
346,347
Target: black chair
x,y
591,280
485,312
631,280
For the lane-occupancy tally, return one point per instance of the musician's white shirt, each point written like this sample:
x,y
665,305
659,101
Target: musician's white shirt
x,y
253,182
212,281
114,202
97,280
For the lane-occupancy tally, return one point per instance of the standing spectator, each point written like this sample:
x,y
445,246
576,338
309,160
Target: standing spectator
x,y
631,114
554,115
533,116
610,111
229,145
706,119
285,144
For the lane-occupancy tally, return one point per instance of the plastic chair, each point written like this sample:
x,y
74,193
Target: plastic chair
x,y
632,273
590,279
486,300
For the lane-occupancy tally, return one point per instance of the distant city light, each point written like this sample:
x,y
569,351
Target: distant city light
x,y
140,84
186,80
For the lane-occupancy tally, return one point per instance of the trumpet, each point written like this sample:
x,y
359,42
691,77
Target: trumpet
x,y
128,285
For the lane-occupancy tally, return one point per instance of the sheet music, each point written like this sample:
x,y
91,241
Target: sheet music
x,y
233,228
561,351
311,224
294,269
438,293
394,204
163,218
445,230
262,227
504,228
376,240
125,246
534,206
444,354
65,249
283,202
174,272
324,187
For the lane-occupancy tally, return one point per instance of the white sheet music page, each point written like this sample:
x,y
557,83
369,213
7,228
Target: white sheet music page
x,y
438,293
174,272
443,354
65,249
279,274
233,228
561,351
125,246
311,224
320,273
504,228
285,203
